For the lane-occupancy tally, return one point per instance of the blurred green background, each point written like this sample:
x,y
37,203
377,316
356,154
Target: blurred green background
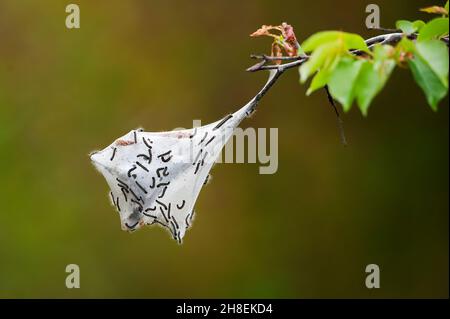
x,y
308,231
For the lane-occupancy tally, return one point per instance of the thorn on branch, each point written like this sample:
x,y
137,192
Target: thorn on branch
x,y
265,59
256,67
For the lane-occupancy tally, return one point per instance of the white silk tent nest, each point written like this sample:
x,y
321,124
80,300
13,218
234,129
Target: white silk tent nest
x,y
156,177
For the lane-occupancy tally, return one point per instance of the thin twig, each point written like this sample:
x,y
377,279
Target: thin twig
x,y
275,58
384,29
262,66
340,122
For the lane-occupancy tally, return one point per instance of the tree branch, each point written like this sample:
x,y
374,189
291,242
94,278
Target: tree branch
x,y
278,69
389,38
292,62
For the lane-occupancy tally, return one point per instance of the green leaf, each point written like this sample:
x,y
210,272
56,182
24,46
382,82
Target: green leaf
x,y
409,27
435,54
323,76
343,79
429,67
433,29
317,59
383,52
319,39
346,40
418,24
355,41
446,6
429,82
406,26
373,76
406,45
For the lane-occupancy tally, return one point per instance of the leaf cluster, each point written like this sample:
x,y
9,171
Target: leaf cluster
x,y
354,72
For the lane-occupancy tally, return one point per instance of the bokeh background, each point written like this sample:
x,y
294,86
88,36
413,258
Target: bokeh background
x,y
307,231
